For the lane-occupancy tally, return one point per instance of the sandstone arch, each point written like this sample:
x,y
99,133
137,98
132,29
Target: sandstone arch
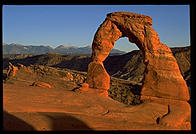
x,y
163,82
162,77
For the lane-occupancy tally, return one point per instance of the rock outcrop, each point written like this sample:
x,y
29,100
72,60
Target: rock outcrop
x,y
41,84
11,71
97,76
162,83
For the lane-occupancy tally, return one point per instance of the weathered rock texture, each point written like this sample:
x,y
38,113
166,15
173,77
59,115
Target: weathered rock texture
x,y
162,78
41,84
11,72
98,76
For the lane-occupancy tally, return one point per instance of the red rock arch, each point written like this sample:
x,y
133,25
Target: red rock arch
x,y
162,77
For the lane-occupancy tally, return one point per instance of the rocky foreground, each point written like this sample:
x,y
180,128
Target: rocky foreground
x,y
44,98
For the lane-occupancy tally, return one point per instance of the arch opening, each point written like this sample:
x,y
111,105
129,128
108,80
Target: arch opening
x,y
124,44
128,66
125,67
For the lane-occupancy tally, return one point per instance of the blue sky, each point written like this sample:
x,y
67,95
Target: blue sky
x,y
76,25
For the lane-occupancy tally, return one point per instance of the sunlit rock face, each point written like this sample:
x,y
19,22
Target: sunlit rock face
x,y
162,83
162,77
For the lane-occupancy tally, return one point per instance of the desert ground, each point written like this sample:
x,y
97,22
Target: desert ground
x,y
34,107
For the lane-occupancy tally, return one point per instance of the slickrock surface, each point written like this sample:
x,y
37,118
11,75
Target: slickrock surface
x,y
35,108
164,93
162,83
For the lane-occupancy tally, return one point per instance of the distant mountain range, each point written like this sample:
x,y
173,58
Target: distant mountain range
x,y
15,48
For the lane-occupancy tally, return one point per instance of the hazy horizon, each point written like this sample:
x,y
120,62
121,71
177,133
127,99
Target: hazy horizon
x,y
75,25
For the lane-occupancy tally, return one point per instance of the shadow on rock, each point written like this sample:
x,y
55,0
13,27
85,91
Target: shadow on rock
x,y
79,63
12,123
62,121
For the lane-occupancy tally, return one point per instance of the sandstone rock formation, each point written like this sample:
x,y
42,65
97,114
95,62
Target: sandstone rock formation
x,y
162,83
11,72
41,84
97,76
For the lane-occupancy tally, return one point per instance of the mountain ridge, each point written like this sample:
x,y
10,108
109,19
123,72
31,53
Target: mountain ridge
x,y
15,48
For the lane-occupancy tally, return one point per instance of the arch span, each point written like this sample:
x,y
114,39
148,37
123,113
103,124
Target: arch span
x,y
162,84
162,77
